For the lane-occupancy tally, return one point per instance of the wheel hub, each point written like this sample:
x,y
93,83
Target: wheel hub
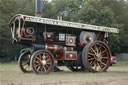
x,y
98,57
44,62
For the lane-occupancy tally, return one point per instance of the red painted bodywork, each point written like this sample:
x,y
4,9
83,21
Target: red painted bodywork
x,y
59,51
69,57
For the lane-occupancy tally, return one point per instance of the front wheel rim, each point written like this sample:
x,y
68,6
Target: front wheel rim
x,y
42,62
24,62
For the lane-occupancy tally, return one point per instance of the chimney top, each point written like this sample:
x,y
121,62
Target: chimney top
x,y
38,8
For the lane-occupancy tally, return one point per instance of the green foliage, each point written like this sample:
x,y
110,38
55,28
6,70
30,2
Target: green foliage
x,y
112,13
49,10
119,7
9,8
64,8
93,12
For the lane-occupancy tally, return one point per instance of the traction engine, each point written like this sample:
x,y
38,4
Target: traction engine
x,y
77,46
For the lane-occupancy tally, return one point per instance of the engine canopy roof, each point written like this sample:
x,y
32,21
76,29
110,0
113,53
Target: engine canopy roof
x,y
68,24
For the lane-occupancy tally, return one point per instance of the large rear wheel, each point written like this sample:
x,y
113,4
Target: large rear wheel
x,y
42,62
96,57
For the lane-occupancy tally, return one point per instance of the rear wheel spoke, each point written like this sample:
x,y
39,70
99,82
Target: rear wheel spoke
x,y
93,63
93,50
99,66
91,59
102,63
104,57
90,54
100,48
103,52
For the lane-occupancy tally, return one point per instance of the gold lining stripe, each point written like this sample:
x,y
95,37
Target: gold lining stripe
x,y
55,48
65,48
46,47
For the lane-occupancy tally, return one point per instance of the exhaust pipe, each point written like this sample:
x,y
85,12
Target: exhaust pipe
x,y
38,8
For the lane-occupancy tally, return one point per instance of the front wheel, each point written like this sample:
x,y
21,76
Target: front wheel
x,y
96,57
42,62
24,62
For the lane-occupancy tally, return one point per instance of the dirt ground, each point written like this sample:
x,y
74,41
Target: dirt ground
x,y
10,74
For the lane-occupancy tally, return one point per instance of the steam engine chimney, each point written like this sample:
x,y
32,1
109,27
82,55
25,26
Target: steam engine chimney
x,y
38,8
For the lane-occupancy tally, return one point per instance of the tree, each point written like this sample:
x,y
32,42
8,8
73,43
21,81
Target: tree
x,y
119,7
9,8
93,12
112,13
64,8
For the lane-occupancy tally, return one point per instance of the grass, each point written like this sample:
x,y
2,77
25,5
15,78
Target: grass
x,y
11,74
121,63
